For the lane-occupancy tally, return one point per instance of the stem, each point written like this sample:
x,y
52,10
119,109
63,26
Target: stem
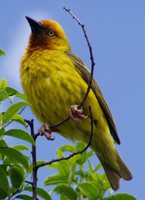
x,y
90,51
34,161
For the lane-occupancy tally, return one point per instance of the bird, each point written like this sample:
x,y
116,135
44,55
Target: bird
x,y
55,81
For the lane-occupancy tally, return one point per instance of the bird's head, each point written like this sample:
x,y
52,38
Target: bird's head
x,y
47,34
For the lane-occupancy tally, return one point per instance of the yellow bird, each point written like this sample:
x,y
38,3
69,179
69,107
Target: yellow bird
x,y
55,82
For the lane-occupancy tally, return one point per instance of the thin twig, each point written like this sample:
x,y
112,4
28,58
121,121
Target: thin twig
x,y
34,160
60,123
90,51
29,182
75,153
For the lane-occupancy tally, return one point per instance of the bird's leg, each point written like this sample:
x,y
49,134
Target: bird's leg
x,y
47,131
77,113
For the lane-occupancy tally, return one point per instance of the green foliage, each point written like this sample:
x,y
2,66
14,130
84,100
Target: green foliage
x,y
2,53
10,155
41,192
20,134
122,196
76,177
90,189
73,179
4,187
12,110
64,190
17,176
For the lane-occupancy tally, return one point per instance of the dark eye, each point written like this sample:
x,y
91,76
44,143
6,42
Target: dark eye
x,y
51,33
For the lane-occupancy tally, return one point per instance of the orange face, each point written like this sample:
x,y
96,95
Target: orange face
x,y
47,34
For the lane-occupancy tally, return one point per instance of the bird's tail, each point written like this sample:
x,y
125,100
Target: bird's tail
x,y
113,174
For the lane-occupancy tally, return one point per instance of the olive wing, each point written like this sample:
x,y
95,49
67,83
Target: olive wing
x,y
86,76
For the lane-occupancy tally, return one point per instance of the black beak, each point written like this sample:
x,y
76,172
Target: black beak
x,y
36,27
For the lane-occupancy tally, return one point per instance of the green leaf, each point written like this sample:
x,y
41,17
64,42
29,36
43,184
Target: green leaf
x,y
90,153
79,173
20,134
23,196
122,196
4,186
80,145
66,191
12,110
18,118
17,176
4,167
1,120
64,168
2,53
56,179
3,193
22,96
41,192
14,156
89,189
11,91
99,166
3,95
2,130
3,143
3,84
67,147
63,198
81,158
21,147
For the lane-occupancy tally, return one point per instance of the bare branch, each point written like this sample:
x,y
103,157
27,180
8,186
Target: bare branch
x,y
34,160
60,123
73,154
29,182
90,51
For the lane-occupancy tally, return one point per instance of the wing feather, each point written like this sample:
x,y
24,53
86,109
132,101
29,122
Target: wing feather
x,y
86,76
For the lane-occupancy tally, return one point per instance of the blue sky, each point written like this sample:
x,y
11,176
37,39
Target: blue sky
x,y
117,33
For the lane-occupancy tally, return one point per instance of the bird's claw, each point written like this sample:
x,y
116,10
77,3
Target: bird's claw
x,y
77,113
46,130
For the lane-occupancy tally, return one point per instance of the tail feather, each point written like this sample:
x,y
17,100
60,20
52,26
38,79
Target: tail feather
x,y
113,174
123,170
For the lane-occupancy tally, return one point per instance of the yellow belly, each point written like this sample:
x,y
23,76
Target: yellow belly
x,y
52,86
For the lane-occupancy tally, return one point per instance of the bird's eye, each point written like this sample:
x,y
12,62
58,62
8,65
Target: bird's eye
x,y
51,33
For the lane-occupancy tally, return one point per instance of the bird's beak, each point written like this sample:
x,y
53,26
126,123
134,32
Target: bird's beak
x,y
36,27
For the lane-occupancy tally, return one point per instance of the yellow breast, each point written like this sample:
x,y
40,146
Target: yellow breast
x,y
51,83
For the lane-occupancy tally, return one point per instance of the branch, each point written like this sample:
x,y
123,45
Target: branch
x,y
29,182
34,161
90,51
75,153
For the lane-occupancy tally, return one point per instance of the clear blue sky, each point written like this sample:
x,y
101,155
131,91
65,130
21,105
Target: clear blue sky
x,y
117,33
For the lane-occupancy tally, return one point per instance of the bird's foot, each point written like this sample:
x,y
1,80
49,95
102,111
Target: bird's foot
x,y
77,113
47,131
